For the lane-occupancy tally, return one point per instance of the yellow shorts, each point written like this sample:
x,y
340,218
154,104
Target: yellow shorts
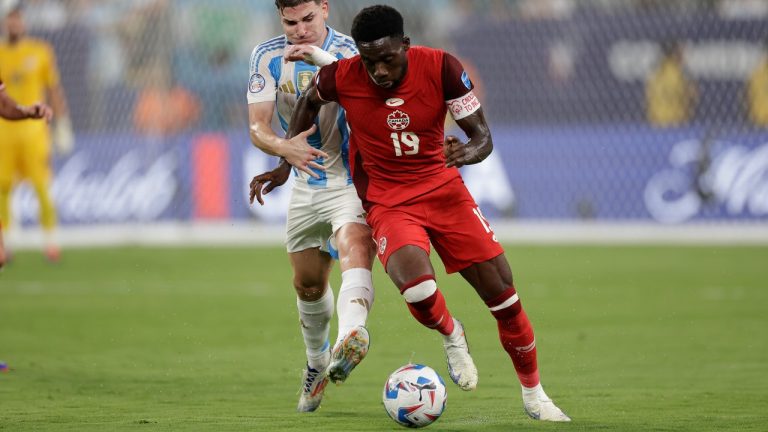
x,y
25,151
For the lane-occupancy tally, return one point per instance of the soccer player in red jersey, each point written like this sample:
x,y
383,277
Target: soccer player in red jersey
x,y
10,110
405,171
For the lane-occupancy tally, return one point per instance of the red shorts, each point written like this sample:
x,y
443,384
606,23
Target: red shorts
x,y
447,217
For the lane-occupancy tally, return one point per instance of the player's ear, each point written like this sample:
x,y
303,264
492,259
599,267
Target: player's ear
x,y
406,43
326,9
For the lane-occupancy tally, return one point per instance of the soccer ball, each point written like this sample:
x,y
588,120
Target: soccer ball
x,y
414,396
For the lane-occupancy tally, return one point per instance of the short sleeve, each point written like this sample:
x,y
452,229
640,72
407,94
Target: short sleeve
x,y
264,71
325,81
457,89
456,82
50,71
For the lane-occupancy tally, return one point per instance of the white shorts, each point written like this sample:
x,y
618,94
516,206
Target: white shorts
x,y
314,215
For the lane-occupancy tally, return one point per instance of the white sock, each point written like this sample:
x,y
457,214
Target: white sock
x,y
315,321
355,299
534,393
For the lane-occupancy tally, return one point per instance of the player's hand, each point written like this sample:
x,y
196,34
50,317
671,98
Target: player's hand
x,y
456,154
294,53
63,137
301,155
262,184
39,111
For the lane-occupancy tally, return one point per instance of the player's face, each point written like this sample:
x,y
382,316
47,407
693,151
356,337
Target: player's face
x,y
305,23
14,25
385,60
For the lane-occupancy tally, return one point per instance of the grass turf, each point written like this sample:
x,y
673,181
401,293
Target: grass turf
x,y
629,338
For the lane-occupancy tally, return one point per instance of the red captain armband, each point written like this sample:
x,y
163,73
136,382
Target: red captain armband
x,y
463,106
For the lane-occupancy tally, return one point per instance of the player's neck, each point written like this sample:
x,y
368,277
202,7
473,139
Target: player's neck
x,y
322,39
14,39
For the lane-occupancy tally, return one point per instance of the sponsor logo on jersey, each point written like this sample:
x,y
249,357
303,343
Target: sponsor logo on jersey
x,y
288,88
398,120
382,245
257,83
304,79
394,102
465,80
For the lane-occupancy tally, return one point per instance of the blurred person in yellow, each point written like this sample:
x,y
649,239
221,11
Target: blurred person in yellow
x,y
757,92
31,76
671,95
10,110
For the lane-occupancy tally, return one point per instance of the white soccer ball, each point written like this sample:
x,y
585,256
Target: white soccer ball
x,y
414,396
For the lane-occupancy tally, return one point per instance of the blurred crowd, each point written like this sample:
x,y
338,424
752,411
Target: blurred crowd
x,y
166,66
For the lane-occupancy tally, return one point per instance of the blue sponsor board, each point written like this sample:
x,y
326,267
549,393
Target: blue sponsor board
x,y
601,172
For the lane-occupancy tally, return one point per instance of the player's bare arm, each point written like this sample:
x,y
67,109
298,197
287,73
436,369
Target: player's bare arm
x,y
301,127
309,54
12,111
261,133
263,183
476,149
299,153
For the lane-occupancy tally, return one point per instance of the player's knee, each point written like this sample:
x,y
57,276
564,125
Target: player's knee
x,y
309,290
419,289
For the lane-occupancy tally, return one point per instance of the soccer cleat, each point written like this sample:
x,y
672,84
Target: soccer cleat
x,y
348,354
52,254
540,407
312,389
461,367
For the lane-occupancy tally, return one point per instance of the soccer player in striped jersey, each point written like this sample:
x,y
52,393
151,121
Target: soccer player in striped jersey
x,y
10,110
405,171
324,204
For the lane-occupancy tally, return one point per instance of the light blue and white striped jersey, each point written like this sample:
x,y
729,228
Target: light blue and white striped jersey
x,y
273,80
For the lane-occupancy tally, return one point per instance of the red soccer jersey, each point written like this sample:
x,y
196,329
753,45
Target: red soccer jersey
x,y
396,142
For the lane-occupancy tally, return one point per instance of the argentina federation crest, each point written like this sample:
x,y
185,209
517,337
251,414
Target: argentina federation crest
x,y
304,79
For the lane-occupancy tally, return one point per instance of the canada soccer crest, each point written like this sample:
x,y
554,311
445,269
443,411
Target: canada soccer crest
x,y
398,120
382,243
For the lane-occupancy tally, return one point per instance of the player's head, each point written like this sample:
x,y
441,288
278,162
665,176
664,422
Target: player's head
x,y
13,20
303,20
378,33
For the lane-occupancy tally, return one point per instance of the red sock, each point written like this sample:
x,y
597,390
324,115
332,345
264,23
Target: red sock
x,y
427,304
516,335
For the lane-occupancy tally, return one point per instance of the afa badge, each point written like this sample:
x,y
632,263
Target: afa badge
x,y
257,83
304,80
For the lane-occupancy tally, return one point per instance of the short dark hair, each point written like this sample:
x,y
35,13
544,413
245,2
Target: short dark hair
x,y
376,22
282,4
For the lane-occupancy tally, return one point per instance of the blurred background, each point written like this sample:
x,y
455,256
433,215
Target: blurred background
x,y
644,112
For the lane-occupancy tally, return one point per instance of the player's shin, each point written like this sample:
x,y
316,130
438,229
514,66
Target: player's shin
x,y
355,299
516,335
427,304
315,321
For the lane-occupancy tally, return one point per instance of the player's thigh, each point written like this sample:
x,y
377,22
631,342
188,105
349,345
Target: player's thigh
x,y
459,232
36,157
341,207
402,243
9,156
311,270
489,278
304,228
354,242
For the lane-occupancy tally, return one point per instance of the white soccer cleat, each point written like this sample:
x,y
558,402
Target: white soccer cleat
x,y
312,389
539,406
461,367
348,353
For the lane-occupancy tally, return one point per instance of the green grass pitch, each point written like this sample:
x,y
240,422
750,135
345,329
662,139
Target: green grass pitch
x,y
630,338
